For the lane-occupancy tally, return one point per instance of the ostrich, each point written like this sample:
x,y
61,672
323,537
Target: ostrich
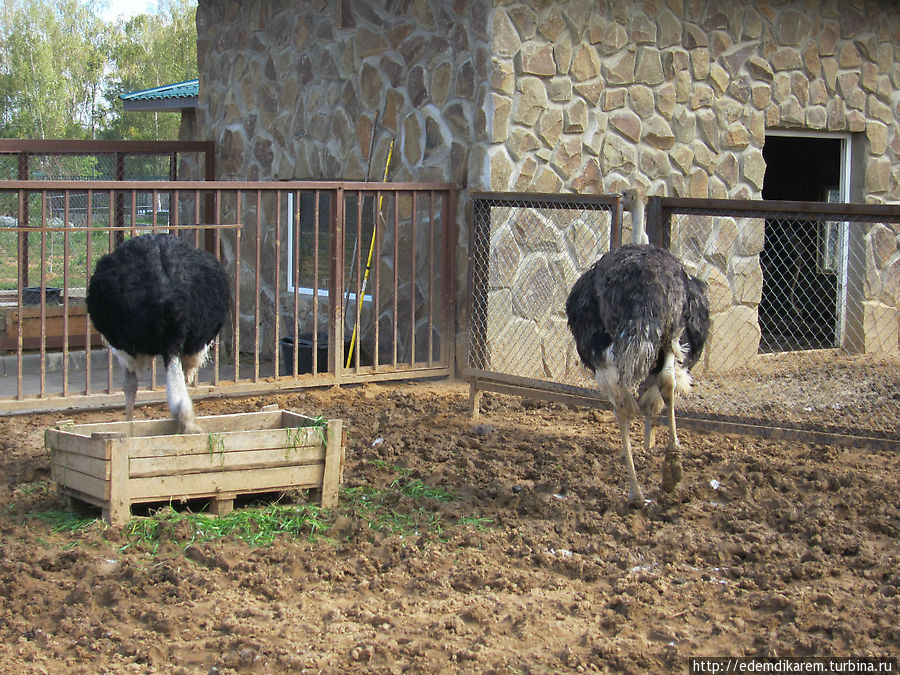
x,y
639,321
156,294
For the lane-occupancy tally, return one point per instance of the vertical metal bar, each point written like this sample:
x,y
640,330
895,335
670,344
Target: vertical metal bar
x,y
256,302
89,220
376,280
154,211
133,219
449,246
237,289
174,208
112,236
23,222
295,275
213,207
197,220
430,277
412,282
43,310
23,260
396,305
336,290
315,290
277,277
119,220
65,296
360,197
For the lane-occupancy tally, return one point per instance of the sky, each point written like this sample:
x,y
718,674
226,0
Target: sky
x,y
127,8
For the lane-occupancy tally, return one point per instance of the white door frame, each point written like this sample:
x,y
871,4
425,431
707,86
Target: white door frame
x,y
846,139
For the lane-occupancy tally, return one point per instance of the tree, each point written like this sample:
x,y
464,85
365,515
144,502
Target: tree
x,y
152,50
52,60
62,68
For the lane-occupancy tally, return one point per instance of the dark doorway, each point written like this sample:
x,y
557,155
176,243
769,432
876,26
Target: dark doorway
x,y
799,305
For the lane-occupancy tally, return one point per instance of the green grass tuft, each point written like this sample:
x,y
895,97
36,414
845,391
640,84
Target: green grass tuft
x,y
406,507
65,521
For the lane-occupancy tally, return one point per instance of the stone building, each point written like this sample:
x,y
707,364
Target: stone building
x,y
687,98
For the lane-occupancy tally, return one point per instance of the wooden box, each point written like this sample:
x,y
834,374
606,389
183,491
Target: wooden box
x,y
117,464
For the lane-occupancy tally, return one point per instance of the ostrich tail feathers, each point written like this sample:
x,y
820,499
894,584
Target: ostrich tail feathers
x,y
635,354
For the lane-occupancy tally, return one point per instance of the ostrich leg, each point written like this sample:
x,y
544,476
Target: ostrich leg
x,y
672,470
649,433
129,386
635,496
192,363
178,398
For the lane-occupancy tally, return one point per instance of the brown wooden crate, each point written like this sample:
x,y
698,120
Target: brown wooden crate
x,y
121,463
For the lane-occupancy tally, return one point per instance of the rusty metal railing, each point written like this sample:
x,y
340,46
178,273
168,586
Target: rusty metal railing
x,y
312,306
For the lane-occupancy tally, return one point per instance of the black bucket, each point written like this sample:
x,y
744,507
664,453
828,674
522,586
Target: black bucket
x,y
304,362
31,295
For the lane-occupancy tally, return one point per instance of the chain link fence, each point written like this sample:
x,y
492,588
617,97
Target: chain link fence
x,y
527,251
805,327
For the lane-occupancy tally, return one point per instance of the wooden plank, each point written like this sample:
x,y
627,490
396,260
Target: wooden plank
x,y
255,421
220,507
143,428
71,493
210,483
334,462
214,444
89,485
289,418
119,511
61,440
62,461
167,427
141,467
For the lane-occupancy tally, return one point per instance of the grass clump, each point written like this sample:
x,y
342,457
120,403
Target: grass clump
x,y
255,526
405,507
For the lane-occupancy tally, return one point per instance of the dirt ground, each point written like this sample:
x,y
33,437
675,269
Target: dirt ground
x,y
766,548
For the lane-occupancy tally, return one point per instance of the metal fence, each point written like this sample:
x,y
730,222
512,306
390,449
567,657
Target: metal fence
x,y
332,283
805,334
83,161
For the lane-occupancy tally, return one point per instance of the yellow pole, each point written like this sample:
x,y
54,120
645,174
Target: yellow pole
x,y
362,292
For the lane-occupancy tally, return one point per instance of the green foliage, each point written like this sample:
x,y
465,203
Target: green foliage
x,y
65,521
62,68
257,527
406,507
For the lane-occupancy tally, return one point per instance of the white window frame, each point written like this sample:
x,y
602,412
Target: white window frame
x,y
306,290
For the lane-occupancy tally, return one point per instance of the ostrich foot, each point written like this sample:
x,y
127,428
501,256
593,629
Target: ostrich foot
x,y
636,497
190,427
672,472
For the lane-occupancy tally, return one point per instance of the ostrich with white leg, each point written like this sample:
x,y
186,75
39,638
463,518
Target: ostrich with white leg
x,y
640,321
157,295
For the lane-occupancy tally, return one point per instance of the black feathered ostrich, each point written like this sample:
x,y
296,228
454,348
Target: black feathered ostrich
x,y
640,321
156,294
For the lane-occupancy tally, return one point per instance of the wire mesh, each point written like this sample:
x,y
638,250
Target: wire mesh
x,y
805,329
527,253
804,320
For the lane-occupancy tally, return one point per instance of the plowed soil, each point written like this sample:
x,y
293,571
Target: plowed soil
x,y
535,565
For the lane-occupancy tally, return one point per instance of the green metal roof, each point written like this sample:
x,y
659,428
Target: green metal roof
x,y
165,98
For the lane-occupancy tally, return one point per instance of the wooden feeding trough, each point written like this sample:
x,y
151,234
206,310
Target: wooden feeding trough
x,y
117,464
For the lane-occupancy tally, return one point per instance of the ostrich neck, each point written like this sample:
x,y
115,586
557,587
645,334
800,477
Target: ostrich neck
x,y
638,230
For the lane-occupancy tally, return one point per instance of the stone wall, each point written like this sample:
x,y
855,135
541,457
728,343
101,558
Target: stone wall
x,y
296,90
677,95
574,96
